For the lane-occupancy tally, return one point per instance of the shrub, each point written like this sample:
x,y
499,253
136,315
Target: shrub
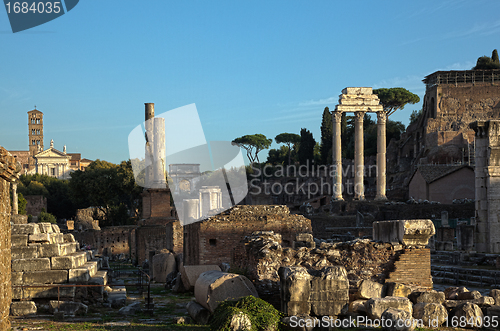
x,y
46,217
262,315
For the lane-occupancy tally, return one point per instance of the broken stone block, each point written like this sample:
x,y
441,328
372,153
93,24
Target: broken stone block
x,y
39,238
78,275
469,312
190,273
304,240
45,277
376,306
405,232
30,228
19,240
397,290
427,297
31,264
19,219
55,228
214,287
68,238
163,264
432,314
17,293
45,227
329,294
468,295
24,252
493,311
69,308
117,297
368,289
401,320
357,306
198,313
71,261
295,290
451,293
130,309
495,294
22,308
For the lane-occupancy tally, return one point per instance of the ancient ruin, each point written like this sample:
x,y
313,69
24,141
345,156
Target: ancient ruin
x,y
359,100
487,173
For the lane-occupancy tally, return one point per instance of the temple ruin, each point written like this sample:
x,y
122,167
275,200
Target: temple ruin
x,y
359,100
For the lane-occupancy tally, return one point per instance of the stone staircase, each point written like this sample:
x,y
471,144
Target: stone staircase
x,y
460,276
43,256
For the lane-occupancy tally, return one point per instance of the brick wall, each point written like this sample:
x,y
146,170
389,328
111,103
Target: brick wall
x,y
220,238
115,239
412,267
9,172
150,238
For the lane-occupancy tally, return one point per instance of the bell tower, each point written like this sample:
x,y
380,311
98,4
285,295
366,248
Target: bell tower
x,y
35,134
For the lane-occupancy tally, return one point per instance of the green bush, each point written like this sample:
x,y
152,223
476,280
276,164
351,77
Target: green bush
x,y
262,314
46,217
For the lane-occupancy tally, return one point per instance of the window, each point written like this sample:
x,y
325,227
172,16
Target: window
x,y
212,242
33,142
53,171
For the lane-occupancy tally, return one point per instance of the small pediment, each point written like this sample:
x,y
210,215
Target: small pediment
x,y
51,152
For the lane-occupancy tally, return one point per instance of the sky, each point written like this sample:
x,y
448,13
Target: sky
x,y
249,66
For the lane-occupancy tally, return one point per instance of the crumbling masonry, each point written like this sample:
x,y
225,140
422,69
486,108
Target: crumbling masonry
x,y
9,173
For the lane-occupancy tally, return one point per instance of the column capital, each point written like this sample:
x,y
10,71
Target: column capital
x,y
359,115
336,116
381,117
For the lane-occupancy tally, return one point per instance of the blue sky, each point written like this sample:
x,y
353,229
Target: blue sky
x,y
249,66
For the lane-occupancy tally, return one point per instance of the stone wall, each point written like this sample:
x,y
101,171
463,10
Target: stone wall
x,y
34,204
220,238
112,240
9,172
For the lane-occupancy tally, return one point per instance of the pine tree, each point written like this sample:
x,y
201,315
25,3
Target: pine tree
x,y
326,137
494,57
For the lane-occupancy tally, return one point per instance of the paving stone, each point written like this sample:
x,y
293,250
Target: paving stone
x,y
45,277
24,252
31,264
22,308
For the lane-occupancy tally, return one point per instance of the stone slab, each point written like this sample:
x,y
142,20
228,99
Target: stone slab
x,y
30,264
71,261
22,308
190,274
45,227
213,287
45,277
48,292
30,228
19,219
19,240
17,278
406,232
24,252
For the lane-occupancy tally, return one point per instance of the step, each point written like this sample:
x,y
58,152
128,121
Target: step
x,y
71,261
50,250
45,277
83,273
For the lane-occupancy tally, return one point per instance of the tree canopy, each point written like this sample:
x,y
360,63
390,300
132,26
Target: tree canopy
x,y
326,137
486,62
306,146
395,98
253,144
289,139
109,187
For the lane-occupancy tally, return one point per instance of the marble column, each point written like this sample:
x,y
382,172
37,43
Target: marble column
x,y
359,188
14,198
381,155
337,155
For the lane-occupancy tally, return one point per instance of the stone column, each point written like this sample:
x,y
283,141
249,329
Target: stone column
x,y
381,155
359,188
337,155
149,127
159,153
14,198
